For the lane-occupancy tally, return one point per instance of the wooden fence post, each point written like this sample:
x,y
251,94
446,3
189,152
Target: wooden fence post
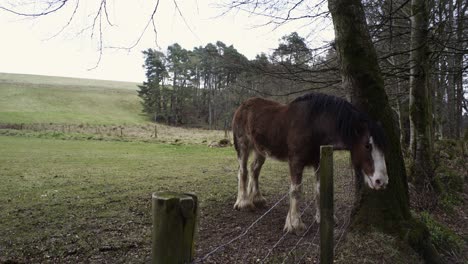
x,y
226,135
326,204
174,227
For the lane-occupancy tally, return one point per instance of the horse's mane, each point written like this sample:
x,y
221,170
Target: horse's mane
x,y
350,122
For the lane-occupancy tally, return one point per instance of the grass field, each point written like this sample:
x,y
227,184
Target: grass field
x,y
76,178
62,199
45,99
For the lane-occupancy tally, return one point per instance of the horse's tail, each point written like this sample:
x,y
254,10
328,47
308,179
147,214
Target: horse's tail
x,y
235,141
234,136
235,130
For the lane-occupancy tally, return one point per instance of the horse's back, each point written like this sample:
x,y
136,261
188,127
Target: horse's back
x,y
261,123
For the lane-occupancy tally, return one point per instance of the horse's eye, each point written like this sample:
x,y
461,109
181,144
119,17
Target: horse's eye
x,y
368,146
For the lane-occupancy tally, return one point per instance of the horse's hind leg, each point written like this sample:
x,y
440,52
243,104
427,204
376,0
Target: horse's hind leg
x,y
243,202
254,191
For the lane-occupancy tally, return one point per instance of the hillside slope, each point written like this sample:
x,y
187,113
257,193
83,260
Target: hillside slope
x,y
48,99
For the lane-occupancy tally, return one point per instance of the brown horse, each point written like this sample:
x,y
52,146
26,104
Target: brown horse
x,y
294,133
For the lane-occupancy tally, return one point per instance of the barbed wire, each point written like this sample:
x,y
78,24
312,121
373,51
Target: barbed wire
x,y
222,246
285,234
310,244
244,233
299,241
343,227
347,221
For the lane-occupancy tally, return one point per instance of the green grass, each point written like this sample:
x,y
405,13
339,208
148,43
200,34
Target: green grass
x,y
45,99
65,81
70,197
442,237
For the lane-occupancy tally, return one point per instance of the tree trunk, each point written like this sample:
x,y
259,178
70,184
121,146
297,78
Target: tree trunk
x,y
421,165
386,210
458,74
401,119
439,98
175,104
440,68
451,101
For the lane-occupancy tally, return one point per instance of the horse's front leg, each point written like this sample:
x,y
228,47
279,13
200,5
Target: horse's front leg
x,y
317,202
294,222
317,199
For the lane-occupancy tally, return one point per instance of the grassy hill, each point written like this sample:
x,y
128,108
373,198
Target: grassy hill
x,y
47,99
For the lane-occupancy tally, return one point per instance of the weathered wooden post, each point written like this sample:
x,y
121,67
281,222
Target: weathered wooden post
x,y
174,227
226,134
326,204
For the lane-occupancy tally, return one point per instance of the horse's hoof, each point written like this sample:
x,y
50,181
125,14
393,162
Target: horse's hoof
x,y
259,202
297,229
244,205
294,226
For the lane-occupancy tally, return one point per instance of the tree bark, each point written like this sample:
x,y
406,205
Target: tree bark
x,y
421,165
386,210
458,74
451,101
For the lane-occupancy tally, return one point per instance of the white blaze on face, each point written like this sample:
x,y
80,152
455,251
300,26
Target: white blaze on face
x,y
379,179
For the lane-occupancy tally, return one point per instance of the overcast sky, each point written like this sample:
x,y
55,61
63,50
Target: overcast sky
x,y
27,46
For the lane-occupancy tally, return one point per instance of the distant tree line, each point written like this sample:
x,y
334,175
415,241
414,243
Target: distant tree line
x,y
191,86
203,86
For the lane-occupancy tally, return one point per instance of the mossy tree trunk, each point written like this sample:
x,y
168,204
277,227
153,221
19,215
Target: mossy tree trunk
x,y
421,166
386,210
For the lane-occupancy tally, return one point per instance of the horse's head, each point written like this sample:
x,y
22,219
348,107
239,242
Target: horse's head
x,y
368,157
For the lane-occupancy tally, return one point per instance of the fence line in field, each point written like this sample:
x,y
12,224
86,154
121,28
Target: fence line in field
x,y
310,244
300,239
285,234
300,242
347,221
243,234
222,246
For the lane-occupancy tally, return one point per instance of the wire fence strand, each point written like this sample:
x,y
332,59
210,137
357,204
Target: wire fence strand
x,y
285,234
347,198
244,233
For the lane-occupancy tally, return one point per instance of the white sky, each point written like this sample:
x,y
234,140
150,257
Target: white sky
x,y
24,47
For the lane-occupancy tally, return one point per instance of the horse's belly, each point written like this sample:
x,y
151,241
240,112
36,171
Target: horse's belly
x,y
273,150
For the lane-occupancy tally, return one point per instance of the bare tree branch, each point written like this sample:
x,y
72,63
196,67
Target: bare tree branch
x,y
150,21
60,4
68,22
